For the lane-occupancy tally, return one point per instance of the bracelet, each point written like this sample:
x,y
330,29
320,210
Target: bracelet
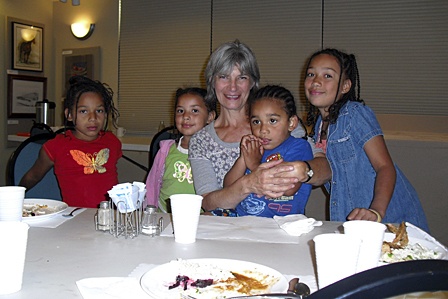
x,y
310,171
379,218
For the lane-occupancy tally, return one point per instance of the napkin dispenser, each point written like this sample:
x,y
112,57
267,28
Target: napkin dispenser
x,y
45,112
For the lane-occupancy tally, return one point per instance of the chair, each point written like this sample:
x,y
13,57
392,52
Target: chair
x,y
167,133
40,128
21,161
390,280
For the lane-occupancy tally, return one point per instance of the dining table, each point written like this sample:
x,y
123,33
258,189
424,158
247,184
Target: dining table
x,y
58,257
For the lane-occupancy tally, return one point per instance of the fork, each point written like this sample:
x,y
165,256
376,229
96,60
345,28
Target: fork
x,y
71,213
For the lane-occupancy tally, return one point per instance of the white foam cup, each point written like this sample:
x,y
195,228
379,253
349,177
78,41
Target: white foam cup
x,y
11,203
372,236
185,209
12,255
121,131
336,257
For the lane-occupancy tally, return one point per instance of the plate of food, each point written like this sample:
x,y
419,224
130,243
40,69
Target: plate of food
x,y
37,209
211,278
399,247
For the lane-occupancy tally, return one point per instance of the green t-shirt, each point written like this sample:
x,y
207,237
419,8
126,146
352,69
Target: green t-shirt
x,y
177,178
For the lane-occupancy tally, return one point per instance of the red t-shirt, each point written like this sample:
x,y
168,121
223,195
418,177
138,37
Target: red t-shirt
x,y
85,170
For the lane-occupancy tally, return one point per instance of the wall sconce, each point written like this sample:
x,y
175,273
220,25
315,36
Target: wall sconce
x,y
82,31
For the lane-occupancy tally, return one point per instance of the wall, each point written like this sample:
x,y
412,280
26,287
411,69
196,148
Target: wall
x,y
105,36
39,11
57,17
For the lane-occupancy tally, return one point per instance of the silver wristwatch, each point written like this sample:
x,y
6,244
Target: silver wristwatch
x,y
310,172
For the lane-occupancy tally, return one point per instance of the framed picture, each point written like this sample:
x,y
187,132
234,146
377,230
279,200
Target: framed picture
x,y
23,94
27,47
83,62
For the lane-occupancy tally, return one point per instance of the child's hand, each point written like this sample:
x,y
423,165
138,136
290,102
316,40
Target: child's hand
x,y
251,151
362,214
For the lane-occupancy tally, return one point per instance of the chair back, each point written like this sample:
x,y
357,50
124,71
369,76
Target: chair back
x,y
23,158
390,280
167,133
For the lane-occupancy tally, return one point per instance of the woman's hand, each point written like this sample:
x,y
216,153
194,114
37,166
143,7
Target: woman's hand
x,y
362,214
266,179
320,166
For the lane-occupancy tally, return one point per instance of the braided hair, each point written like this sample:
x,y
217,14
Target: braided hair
x,y
349,70
80,85
278,93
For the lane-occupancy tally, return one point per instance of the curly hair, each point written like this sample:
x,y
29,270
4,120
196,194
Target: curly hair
x,y
276,92
80,85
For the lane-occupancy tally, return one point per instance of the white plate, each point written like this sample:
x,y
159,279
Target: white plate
x,y
53,208
155,282
389,237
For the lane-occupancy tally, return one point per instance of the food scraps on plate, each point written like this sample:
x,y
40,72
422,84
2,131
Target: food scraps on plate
x,y
399,249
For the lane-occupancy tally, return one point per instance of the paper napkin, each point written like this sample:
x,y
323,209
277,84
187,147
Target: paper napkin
x,y
253,228
296,224
128,197
111,288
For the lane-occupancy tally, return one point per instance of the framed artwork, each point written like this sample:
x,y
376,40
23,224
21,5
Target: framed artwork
x,y
27,47
23,94
83,62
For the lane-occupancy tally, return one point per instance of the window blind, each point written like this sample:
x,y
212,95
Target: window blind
x,y
163,46
400,46
401,49
281,33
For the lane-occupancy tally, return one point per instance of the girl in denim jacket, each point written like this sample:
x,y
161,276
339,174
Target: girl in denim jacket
x,y
365,184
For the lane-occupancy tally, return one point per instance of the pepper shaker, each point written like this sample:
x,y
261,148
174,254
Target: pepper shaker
x,y
151,223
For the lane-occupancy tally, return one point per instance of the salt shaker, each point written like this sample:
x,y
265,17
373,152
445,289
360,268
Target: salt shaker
x,y
102,217
151,223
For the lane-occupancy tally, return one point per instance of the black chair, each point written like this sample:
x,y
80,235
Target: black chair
x,y
390,280
23,158
40,128
167,133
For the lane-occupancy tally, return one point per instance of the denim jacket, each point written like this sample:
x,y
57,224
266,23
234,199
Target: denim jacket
x,y
353,176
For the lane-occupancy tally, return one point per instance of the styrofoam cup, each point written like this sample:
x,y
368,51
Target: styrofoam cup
x,y
372,236
185,209
11,203
336,257
12,255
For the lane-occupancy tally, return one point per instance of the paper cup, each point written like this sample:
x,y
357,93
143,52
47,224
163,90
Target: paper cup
x,y
12,255
336,257
11,203
185,209
372,236
121,131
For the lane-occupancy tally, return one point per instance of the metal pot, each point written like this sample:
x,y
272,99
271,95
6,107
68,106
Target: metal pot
x,y
45,112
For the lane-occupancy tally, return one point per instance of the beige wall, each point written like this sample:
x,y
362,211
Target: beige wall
x,y
424,161
57,17
39,11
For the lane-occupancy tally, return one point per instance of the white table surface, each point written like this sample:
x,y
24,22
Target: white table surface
x,y
57,257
